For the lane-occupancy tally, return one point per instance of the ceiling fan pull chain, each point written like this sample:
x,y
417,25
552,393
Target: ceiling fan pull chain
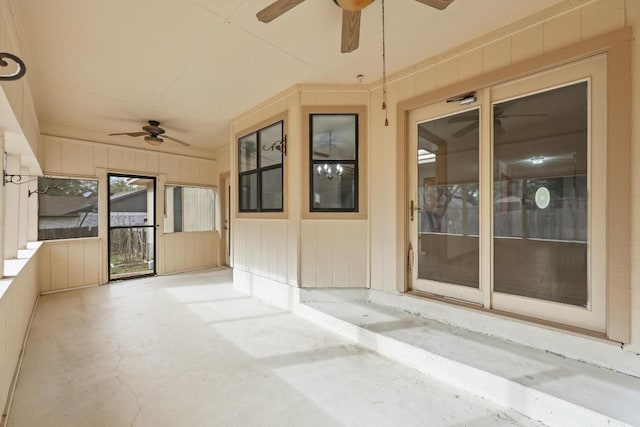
x,y
384,72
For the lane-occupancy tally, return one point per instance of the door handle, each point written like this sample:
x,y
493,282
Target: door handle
x,y
413,208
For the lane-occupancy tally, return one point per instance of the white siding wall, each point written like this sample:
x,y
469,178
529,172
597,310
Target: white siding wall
x,y
16,304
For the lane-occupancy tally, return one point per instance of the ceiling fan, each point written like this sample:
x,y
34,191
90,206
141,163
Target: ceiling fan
x,y
350,16
153,134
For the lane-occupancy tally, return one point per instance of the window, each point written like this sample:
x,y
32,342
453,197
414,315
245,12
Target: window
x,y
260,170
67,208
188,209
333,162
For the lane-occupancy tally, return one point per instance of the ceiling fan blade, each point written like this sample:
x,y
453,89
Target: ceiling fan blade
x,y
438,4
462,119
130,133
350,30
186,144
465,130
276,9
320,154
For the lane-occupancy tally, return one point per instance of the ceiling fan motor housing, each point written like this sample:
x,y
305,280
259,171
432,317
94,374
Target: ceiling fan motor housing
x,y
154,128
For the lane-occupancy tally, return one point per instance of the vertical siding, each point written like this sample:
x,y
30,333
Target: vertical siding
x,y
260,248
334,253
74,263
16,305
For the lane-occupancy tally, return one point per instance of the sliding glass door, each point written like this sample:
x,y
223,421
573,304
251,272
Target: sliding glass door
x,y
522,230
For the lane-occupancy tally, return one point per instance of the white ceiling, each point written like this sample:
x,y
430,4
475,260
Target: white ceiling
x,y
99,67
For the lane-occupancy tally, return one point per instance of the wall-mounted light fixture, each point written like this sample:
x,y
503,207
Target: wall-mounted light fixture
x,y
21,69
279,145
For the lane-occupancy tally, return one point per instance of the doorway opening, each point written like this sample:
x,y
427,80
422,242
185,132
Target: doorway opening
x,y
132,226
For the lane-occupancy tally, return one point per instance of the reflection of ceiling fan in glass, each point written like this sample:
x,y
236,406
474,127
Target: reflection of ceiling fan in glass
x,y
498,115
351,10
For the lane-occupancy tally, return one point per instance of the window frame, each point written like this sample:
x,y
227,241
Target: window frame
x,y
313,163
257,213
182,187
97,203
361,155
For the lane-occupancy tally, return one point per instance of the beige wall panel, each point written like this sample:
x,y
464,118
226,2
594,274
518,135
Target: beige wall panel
x,y
52,155
238,246
14,92
389,185
164,164
254,246
562,31
602,17
169,252
129,160
263,248
407,88
425,81
75,264
527,43
446,73
324,254
59,266
179,252
44,267
327,98
115,158
29,123
497,54
309,253
361,98
141,164
376,198
358,249
633,20
93,261
342,234
470,64
100,156
293,253
309,98
188,169
152,162
174,170
69,159
85,160
6,367
270,241
282,240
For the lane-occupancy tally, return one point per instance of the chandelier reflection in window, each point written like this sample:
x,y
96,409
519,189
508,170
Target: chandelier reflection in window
x,y
329,171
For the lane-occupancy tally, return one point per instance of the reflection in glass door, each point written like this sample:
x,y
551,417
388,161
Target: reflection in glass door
x,y
131,226
540,195
445,209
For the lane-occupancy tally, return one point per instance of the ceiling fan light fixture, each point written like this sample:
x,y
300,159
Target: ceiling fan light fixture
x,y
354,5
153,140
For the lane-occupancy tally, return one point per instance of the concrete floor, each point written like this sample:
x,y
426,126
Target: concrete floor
x,y
187,350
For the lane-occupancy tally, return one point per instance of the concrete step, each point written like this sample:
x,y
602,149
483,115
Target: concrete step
x,y
541,385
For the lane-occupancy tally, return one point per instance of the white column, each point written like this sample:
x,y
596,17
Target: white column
x,y
11,211
23,209
2,206
32,221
